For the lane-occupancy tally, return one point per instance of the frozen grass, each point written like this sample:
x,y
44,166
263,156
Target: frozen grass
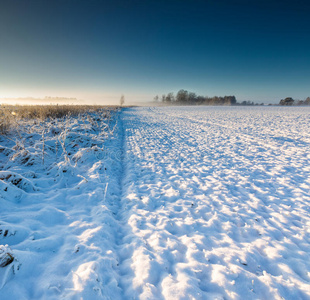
x,y
52,172
11,115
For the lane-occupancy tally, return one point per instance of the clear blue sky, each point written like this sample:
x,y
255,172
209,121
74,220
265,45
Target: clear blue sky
x,y
255,50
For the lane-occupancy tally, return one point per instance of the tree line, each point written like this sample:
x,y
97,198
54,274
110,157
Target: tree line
x,y
290,101
183,97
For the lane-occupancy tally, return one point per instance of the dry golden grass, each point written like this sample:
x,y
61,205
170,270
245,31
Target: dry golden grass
x,y
10,114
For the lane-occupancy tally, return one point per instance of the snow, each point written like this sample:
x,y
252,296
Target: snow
x,y
158,203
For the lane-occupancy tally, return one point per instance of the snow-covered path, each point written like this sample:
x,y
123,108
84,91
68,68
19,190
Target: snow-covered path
x,y
160,203
218,202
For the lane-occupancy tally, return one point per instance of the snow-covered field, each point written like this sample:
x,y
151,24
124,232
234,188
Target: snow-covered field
x,y
158,203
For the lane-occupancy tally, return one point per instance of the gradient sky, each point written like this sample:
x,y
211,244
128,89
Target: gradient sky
x,y
97,50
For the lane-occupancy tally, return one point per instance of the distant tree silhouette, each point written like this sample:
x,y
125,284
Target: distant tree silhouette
x,y
287,101
301,102
192,98
184,97
122,100
170,98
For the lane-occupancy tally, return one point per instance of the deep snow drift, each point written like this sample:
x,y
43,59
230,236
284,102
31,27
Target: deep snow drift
x,y
159,203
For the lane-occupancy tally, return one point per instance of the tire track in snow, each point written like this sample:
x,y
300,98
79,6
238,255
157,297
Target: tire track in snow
x,y
129,247
124,245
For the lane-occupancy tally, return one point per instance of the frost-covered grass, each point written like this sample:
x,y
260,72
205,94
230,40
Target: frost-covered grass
x,y
12,115
52,174
157,203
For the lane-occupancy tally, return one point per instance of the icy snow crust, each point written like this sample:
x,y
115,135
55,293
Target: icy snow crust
x,y
160,203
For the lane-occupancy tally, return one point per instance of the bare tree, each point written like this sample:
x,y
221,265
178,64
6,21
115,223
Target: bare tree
x,y
170,98
122,100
